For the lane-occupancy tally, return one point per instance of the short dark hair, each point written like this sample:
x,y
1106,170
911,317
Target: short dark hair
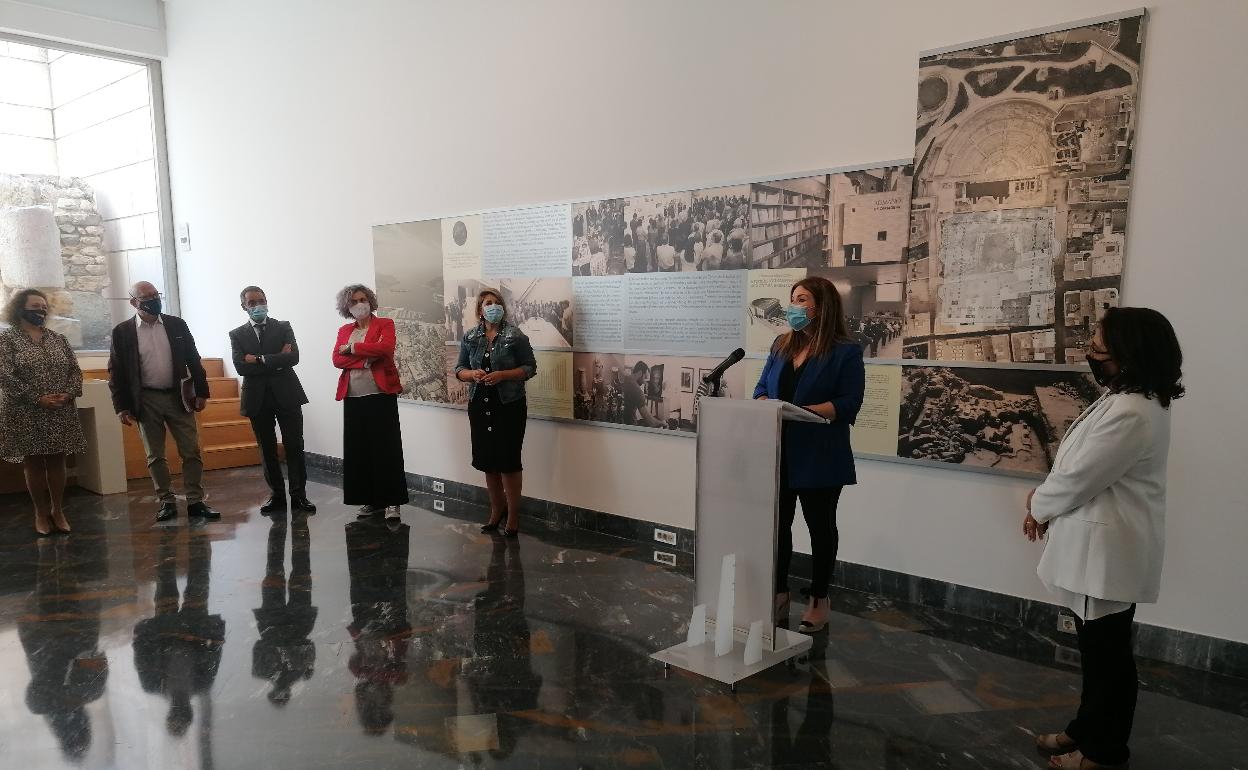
x,y
1143,344
17,303
242,295
640,367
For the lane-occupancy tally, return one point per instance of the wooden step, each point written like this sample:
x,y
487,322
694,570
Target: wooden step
x,y
225,432
223,387
220,410
215,367
136,456
95,374
231,456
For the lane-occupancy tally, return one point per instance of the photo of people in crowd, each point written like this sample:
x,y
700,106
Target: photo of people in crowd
x,y
598,238
873,298
719,235
461,306
542,308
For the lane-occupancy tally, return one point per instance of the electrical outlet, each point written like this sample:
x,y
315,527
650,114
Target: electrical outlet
x,y
1066,656
663,557
665,536
439,486
1066,624
439,505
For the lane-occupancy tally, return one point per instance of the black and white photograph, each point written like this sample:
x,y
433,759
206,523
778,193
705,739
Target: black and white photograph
x,y
1008,419
870,216
1023,160
461,306
718,235
657,230
686,379
872,297
420,355
598,242
788,223
644,390
456,391
542,308
408,263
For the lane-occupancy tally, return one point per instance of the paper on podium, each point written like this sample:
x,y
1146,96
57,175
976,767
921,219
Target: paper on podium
x,y
794,413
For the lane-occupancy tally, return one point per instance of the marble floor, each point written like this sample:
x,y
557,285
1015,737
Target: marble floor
x,y
327,642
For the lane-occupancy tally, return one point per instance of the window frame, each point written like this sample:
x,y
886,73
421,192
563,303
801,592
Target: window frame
x,y
164,195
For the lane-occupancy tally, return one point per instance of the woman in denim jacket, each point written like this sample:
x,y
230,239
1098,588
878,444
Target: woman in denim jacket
x,y
495,359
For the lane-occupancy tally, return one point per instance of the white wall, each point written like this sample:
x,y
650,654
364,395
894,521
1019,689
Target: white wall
x,y
294,126
126,26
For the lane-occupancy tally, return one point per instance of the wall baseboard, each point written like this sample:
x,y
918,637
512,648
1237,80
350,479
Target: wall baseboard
x,y
1202,653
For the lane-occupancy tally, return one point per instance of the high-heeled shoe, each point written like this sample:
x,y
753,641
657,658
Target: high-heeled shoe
x,y
65,530
493,526
511,533
806,626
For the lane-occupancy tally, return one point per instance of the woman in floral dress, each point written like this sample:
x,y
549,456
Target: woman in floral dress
x,y
39,380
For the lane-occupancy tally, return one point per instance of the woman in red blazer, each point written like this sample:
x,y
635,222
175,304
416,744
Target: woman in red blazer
x,y
372,444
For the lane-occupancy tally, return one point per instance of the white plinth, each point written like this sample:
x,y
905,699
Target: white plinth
x,y
731,668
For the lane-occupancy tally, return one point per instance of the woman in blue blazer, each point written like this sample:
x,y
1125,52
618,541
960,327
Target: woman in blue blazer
x,y
816,366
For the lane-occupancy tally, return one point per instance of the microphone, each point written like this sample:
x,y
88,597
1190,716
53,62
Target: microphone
x,y
718,372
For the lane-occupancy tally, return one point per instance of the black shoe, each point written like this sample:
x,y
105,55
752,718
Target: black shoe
x,y
302,504
367,511
202,510
168,510
273,504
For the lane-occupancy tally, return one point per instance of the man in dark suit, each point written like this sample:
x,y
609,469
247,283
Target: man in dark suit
x,y
265,354
158,381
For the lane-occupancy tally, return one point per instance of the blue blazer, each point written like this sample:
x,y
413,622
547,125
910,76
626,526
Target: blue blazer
x,y
819,455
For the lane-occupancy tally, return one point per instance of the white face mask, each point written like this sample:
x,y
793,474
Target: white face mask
x,y
361,310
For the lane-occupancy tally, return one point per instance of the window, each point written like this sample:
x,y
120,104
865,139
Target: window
x,y
83,184
882,235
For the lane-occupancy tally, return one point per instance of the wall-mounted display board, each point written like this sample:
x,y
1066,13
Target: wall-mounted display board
x,y
972,277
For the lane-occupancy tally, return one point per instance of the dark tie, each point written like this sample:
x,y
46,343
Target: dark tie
x,y
260,332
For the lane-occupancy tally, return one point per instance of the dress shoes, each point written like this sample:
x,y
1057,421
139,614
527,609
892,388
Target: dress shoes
x,y
302,505
273,504
168,510
202,510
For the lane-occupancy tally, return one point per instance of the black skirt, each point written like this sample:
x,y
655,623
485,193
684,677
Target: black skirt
x,y
497,432
372,452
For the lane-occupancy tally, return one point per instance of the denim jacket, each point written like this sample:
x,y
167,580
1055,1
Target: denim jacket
x,y
511,350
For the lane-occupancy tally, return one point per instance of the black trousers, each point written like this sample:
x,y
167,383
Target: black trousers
x,y
291,422
372,452
819,510
1110,685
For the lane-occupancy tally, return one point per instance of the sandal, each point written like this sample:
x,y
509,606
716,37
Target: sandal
x,y
1076,761
1054,744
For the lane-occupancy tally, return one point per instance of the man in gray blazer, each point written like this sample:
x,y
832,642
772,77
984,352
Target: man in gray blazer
x,y
265,354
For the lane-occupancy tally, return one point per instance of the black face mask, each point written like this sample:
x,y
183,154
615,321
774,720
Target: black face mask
x,y
150,306
34,317
1099,373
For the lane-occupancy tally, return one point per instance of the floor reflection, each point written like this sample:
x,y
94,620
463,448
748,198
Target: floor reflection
x,y
284,654
432,645
60,633
177,651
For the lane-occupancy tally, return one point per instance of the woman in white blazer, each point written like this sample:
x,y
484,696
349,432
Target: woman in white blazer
x,y
1103,507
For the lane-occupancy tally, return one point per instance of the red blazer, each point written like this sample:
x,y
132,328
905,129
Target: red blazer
x,y
379,344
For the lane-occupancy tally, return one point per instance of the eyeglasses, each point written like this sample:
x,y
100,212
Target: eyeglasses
x,y
146,297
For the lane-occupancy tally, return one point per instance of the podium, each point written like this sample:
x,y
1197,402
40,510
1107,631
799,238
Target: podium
x,y
732,632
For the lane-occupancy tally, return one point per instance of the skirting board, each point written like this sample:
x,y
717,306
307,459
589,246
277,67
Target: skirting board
x,y
1182,648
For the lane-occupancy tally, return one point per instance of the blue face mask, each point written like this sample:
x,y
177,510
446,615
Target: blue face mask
x,y
797,317
258,313
150,306
493,313
34,317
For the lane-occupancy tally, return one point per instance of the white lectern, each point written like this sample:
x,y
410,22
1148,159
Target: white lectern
x,y
732,631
